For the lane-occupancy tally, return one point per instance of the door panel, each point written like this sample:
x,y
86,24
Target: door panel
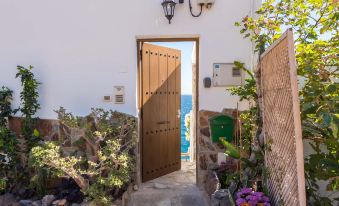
x,y
161,70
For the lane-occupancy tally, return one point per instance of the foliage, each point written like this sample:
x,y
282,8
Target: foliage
x,y
8,141
110,135
228,175
29,104
315,24
251,150
248,90
5,105
188,117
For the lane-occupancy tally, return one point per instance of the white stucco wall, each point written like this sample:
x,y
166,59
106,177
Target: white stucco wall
x,y
82,48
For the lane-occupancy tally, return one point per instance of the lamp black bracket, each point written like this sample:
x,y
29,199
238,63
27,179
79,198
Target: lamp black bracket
x,y
191,9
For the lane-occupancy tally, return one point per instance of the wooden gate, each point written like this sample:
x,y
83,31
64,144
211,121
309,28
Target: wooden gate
x,y
282,124
161,92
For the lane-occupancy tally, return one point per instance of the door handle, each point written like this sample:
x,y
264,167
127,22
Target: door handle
x,y
163,122
179,114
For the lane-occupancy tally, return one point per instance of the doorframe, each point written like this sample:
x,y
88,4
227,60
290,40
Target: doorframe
x,y
195,81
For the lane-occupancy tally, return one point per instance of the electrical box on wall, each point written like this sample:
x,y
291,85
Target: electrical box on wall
x,y
119,94
207,3
226,74
107,98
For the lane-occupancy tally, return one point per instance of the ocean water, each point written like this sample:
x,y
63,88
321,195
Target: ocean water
x,y
186,107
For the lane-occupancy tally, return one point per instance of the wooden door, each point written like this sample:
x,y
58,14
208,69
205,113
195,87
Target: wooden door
x,y
161,92
282,124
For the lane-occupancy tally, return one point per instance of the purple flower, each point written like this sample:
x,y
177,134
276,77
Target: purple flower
x,y
258,194
254,198
266,199
240,194
240,201
246,190
267,204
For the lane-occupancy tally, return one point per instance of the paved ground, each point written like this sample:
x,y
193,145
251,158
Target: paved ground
x,y
175,189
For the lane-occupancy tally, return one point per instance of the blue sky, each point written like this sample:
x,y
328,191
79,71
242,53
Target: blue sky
x,y
186,63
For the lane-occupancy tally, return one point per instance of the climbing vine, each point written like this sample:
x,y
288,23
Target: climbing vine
x,y
252,147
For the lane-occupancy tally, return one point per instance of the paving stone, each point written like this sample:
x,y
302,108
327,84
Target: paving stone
x,y
160,186
166,202
175,189
189,200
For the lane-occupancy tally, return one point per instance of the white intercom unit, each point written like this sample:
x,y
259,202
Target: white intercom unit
x,y
226,74
119,94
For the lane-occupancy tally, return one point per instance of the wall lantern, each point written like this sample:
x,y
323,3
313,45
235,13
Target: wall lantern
x,y
169,6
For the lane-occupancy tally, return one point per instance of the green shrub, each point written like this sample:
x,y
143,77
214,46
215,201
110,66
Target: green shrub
x,y
8,142
29,105
109,165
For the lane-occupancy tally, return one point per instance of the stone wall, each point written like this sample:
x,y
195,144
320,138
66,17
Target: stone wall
x,y
207,151
49,129
73,141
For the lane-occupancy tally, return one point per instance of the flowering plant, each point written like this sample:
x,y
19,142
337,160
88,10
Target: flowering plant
x,y
247,197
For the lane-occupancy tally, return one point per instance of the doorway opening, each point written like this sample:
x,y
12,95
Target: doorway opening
x,y
168,108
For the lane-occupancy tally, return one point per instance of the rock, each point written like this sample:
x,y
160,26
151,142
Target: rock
x,y
203,162
135,187
221,198
212,183
25,193
160,186
37,203
214,158
25,202
7,199
47,200
220,194
205,131
62,202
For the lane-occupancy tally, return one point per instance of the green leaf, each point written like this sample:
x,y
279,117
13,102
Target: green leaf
x,y
326,119
331,88
334,128
231,150
36,133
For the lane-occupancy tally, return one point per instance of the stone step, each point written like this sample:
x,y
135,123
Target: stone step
x,y
168,198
